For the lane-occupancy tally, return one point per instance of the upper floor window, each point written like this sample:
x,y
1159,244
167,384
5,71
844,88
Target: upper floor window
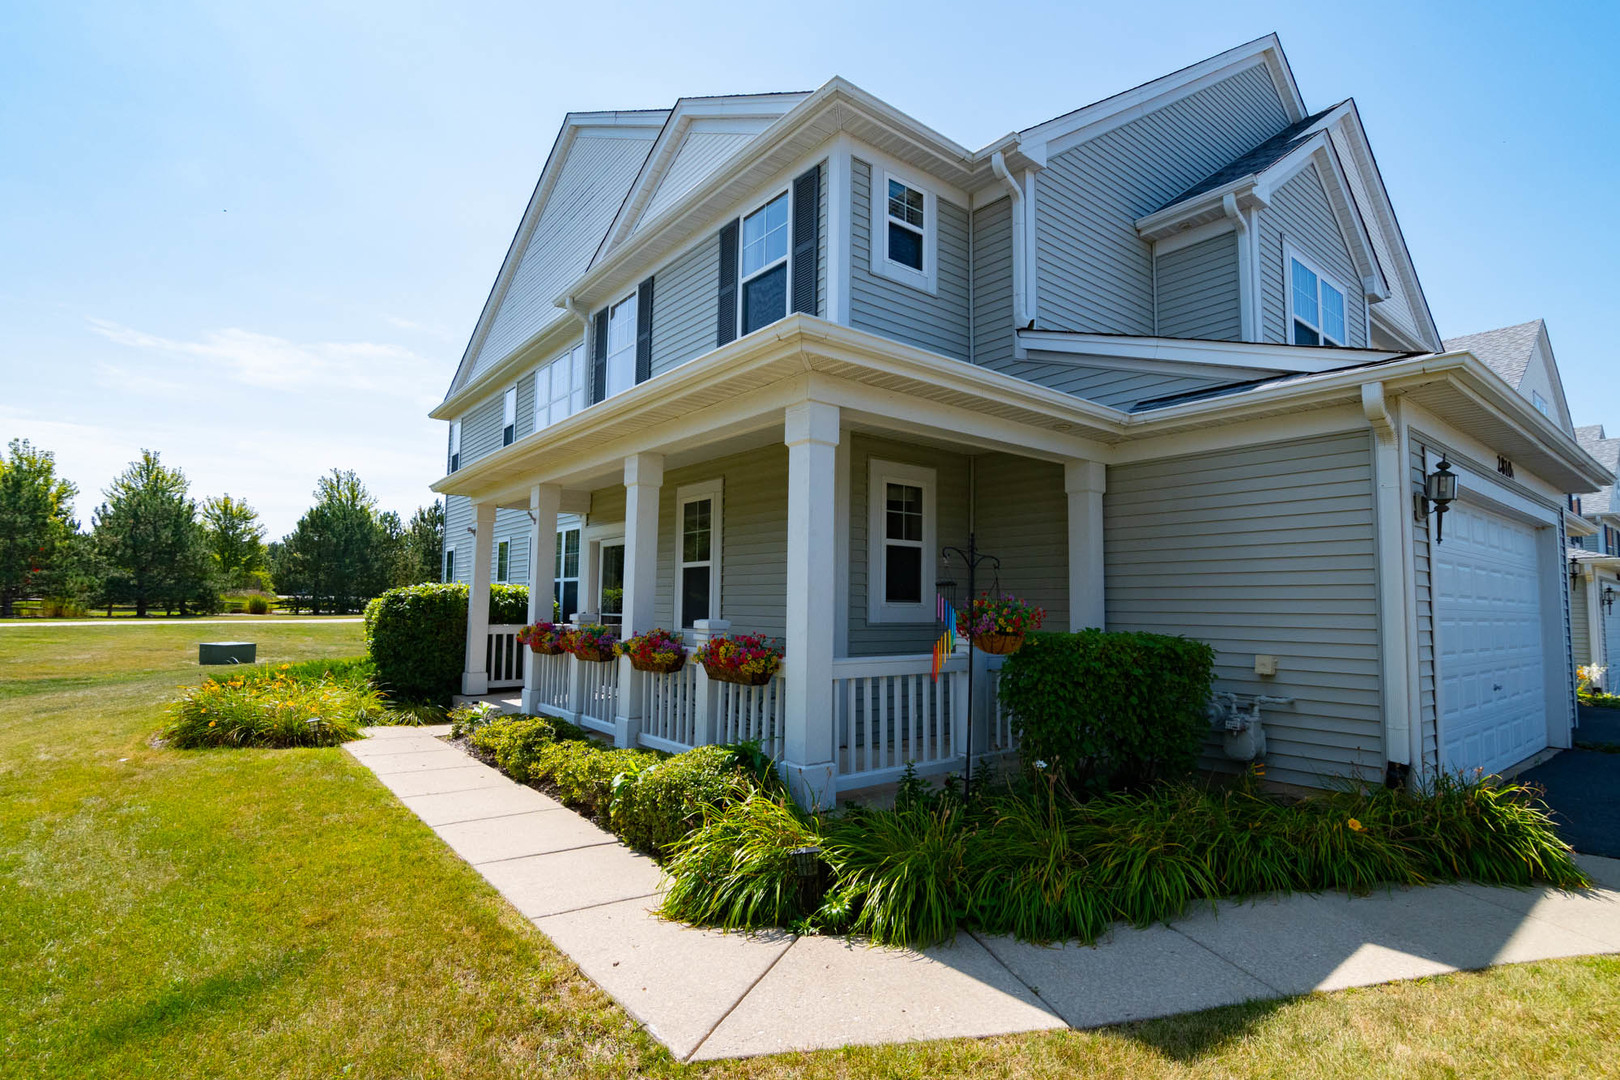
x,y
509,416
906,221
900,566
1315,305
455,447
1540,403
764,264
903,230
621,347
559,388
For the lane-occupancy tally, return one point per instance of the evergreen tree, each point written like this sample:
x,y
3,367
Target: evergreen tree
x,y
36,520
235,539
424,546
154,548
339,555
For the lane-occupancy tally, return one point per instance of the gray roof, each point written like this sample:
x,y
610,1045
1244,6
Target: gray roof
x,y
1506,351
1607,451
1255,161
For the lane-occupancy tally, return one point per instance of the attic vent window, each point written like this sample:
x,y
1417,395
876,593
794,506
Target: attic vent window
x,y
1316,305
906,219
1540,403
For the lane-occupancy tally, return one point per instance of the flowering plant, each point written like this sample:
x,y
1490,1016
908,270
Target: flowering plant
x,y
1589,675
1005,614
543,637
656,650
750,659
591,642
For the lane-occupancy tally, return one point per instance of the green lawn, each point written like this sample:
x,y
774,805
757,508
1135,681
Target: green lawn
x,y
277,913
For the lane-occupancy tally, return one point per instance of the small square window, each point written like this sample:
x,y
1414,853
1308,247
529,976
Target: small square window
x,y
1540,403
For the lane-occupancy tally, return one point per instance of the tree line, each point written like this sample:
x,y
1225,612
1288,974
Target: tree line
x,y
152,546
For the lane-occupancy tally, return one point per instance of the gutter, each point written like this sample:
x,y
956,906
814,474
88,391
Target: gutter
x,y
998,163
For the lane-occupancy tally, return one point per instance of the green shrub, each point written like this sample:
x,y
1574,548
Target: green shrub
x,y
900,871
515,742
655,807
280,711
1109,710
583,772
256,604
354,671
736,870
417,636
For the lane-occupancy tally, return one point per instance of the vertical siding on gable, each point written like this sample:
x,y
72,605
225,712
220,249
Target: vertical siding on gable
x,y
1021,515
1094,273
1301,215
1263,549
685,303
883,306
951,512
1198,292
700,153
993,284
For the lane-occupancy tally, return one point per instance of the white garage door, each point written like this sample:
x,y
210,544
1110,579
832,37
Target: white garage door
x,y
1492,671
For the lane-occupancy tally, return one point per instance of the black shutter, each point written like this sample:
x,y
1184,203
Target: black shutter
x,y
806,246
599,358
726,321
644,303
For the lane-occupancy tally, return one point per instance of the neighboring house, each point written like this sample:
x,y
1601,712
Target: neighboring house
x,y
756,360
1595,564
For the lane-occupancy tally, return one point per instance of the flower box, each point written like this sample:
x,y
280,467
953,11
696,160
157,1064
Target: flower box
x,y
718,673
544,638
657,651
594,643
744,660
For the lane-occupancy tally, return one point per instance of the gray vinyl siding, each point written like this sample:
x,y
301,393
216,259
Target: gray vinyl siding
x,y
1095,274
1215,547
1021,515
1301,215
1428,702
685,305
1104,385
993,284
1198,292
481,428
951,528
1580,627
936,321
458,518
510,524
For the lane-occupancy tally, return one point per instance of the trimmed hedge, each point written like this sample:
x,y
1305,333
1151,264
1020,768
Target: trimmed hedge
x,y
417,636
666,800
1104,711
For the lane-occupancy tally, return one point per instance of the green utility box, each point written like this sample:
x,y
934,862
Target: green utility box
x,y
227,652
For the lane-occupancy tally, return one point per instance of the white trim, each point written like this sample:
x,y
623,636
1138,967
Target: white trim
x,y
502,574
447,564
785,259
841,533
1195,235
713,490
1315,359
880,473
838,196
926,279
455,446
1292,254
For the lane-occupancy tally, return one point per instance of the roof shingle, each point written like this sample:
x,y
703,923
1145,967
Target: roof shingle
x,y
1506,351
1256,161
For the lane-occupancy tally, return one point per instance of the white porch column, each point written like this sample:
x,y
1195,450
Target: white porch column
x,y
1085,482
475,673
643,477
544,501
811,434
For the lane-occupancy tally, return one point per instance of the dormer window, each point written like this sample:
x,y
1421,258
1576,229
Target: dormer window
x,y
509,416
1315,305
1541,404
455,445
765,264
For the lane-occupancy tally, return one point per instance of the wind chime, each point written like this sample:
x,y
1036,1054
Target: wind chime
x,y
972,557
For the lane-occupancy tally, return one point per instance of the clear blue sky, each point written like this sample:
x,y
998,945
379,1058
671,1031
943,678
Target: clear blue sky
x,y
257,240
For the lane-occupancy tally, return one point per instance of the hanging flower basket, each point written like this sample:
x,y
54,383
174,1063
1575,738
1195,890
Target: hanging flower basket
x,y
745,660
657,651
997,624
544,638
594,643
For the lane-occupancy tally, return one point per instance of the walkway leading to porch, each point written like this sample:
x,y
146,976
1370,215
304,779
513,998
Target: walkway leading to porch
x,y
708,995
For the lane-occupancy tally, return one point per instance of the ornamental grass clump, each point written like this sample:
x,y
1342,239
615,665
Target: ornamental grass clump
x,y
749,659
737,871
274,711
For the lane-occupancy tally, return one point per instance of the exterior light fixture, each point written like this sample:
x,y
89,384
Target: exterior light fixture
x,y
1439,491
1608,598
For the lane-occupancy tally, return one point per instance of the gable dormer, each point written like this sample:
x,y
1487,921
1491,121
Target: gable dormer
x,y
1522,355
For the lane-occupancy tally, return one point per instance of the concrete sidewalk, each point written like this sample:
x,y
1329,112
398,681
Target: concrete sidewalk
x,y
710,995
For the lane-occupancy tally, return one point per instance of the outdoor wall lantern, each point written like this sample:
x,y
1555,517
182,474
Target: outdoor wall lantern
x,y
1608,599
1439,490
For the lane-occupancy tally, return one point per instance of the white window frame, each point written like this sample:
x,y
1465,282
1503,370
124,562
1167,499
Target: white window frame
x,y
455,446
503,554
714,490
926,279
448,570
509,416
560,564
1291,254
879,475
787,258
1540,404
626,349
568,371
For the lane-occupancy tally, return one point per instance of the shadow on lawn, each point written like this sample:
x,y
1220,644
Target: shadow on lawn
x,y
181,1002
1191,1037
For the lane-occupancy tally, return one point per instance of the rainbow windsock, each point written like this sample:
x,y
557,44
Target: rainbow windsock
x,y
946,645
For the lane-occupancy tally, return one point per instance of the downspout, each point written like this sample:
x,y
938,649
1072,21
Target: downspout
x,y
1389,489
1240,222
570,305
998,163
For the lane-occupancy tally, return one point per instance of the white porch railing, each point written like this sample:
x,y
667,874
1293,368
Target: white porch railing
x,y
888,712
503,657
596,692
687,708
745,713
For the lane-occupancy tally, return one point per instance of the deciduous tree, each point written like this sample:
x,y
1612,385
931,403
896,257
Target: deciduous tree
x,y
36,520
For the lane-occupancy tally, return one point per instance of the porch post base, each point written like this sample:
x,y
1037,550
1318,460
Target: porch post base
x,y
627,713
531,701
475,683
814,787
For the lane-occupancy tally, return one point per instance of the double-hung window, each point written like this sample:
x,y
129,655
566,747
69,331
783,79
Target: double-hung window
x,y
764,264
559,388
621,346
455,445
509,416
1315,305
903,230
905,225
566,580
450,564
503,560
697,563
901,528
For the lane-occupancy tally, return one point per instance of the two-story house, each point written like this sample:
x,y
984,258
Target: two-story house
x,y
755,361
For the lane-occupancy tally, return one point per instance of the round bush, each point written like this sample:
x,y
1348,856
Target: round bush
x,y
665,801
417,636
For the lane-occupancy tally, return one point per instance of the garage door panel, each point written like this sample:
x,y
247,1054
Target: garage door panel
x,y
1493,672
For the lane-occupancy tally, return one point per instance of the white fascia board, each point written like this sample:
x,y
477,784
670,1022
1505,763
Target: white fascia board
x,y
1162,224
1221,354
1072,128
